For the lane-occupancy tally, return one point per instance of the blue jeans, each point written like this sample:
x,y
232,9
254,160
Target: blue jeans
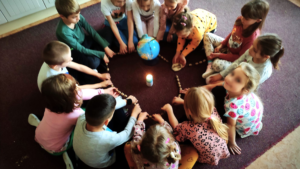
x,y
168,27
123,31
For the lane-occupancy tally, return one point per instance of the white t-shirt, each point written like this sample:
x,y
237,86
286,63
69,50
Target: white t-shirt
x,y
117,13
46,72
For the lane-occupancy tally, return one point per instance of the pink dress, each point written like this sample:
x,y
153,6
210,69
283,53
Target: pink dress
x,y
139,130
55,129
211,147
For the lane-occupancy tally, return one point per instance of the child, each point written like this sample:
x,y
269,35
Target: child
x,y
57,56
245,30
146,17
205,129
266,51
70,30
63,100
191,26
169,9
155,148
95,143
115,12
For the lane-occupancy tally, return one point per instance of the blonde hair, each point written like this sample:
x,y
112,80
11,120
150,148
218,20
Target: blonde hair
x,y
54,52
252,74
67,7
200,102
271,44
155,148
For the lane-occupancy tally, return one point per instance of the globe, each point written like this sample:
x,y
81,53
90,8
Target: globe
x,y
148,48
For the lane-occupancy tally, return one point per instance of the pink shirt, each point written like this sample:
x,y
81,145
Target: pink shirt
x,y
55,129
237,44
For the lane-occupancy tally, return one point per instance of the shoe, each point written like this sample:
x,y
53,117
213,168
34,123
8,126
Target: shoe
x,y
33,120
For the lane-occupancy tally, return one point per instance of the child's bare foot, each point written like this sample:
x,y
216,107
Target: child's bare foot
x,y
184,91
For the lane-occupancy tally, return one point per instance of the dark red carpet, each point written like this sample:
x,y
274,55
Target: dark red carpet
x,y
21,61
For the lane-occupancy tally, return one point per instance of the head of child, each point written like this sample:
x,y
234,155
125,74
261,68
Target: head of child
x,y
254,14
183,24
60,93
57,55
100,110
199,105
242,80
171,4
119,3
267,46
157,146
144,4
68,10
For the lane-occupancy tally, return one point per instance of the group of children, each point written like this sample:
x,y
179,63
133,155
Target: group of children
x,y
215,113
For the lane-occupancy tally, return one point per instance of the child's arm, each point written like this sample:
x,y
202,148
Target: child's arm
x,y
131,47
96,85
180,44
225,72
156,7
233,147
139,127
162,23
209,87
177,101
123,46
197,38
137,19
172,119
88,70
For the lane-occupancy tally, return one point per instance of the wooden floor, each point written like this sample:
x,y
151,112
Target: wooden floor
x,y
87,4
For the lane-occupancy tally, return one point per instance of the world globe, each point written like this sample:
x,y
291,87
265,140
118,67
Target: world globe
x,y
148,48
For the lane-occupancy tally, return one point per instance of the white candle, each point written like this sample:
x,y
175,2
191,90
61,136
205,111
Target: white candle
x,y
149,80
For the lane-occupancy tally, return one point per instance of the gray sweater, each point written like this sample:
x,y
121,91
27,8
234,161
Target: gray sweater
x,y
264,69
96,149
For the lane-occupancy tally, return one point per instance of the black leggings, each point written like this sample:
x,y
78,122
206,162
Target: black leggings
x,y
219,93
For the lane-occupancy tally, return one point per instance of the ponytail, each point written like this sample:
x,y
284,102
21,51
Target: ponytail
x,y
219,127
183,20
173,155
271,44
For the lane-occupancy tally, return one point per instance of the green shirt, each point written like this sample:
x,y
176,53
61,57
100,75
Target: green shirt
x,y
74,37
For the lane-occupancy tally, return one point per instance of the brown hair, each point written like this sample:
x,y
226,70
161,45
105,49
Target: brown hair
x,y
255,9
183,21
154,147
271,44
200,102
67,7
54,52
60,93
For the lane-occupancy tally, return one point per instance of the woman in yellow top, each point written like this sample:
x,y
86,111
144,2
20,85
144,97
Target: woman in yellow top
x,y
192,26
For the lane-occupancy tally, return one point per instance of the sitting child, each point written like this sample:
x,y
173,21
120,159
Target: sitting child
x,y
245,30
57,56
63,100
155,148
94,141
85,48
205,129
191,26
266,51
115,12
168,10
146,17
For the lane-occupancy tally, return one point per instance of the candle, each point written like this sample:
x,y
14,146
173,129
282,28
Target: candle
x,y
149,80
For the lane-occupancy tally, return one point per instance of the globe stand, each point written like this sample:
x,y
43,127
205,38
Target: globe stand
x,y
151,62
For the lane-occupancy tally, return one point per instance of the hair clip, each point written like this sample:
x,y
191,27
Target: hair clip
x,y
209,117
167,140
182,23
184,17
138,147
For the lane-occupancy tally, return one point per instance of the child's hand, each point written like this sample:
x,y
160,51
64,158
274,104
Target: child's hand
x,y
215,78
167,108
106,83
131,47
112,91
158,118
170,37
134,100
109,52
217,49
105,58
177,101
182,60
143,116
123,48
175,58
213,55
184,91
104,76
234,148
136,111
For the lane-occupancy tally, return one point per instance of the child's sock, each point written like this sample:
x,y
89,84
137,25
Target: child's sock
x,y
67,160
33,120
208,71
